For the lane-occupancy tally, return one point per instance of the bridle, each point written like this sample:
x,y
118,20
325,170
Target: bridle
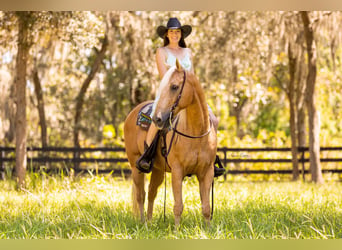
x,y
171,120
179,95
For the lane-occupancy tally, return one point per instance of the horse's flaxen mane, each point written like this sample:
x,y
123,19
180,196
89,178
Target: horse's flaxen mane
x,y
162,85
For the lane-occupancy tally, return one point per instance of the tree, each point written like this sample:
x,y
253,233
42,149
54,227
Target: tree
x,y
310,100
25,20
41,107
293,117
46,30
293,40
80,97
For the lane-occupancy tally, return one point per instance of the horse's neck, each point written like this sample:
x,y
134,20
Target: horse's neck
x,y
197,116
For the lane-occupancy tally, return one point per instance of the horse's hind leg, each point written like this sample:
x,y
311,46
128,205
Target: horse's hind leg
x,y
205,187
138,193
157,178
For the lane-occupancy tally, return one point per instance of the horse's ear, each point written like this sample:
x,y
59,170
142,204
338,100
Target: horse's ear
x,y
178,66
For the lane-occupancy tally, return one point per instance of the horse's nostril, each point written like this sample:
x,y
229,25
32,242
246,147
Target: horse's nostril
x,y
159,120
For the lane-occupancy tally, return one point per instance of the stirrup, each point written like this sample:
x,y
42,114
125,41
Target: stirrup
x,y
144,165
219,169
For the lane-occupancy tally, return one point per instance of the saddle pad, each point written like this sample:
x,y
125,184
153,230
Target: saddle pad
x,y
144,119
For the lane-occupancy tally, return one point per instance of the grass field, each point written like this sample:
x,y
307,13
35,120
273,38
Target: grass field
x,y
95,207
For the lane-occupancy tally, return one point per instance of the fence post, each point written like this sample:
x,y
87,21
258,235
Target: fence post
x,y
76,157
225,164
2,170
303,163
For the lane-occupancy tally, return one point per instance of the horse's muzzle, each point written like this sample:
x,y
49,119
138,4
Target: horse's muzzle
x,y
161,119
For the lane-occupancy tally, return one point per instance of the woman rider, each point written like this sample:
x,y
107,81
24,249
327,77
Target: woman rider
x,y
174,48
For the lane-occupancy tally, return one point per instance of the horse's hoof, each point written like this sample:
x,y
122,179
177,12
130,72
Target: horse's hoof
x,y
207,223
176,228
177,223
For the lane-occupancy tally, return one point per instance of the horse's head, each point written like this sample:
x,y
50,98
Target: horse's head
x,y
173,95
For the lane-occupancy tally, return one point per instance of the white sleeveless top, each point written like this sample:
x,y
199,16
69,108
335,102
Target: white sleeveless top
x,y
171,60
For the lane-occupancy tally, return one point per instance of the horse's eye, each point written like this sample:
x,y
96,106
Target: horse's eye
x,y
174,87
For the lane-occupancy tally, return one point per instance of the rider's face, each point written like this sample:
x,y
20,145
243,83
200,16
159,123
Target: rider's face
x,y
174,35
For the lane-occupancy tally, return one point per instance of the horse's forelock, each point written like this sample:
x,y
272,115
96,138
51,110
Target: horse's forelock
x,y
162,85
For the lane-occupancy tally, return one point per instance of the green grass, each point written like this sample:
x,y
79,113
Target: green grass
x,y
100,208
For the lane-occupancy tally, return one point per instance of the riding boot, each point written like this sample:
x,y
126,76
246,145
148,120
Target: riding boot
x,y
219,169
145,161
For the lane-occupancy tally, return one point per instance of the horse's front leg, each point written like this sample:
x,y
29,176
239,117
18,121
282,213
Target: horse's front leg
x,y
177,180
157,178
205,183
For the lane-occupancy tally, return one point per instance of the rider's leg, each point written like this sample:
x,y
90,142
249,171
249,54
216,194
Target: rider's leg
x,y
145,160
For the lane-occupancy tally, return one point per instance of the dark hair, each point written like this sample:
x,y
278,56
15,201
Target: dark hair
x,y
181,42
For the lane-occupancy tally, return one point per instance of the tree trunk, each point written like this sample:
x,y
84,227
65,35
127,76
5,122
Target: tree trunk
x,y
300,103
293,113
314,123
20,84
85,85
41,108
10,114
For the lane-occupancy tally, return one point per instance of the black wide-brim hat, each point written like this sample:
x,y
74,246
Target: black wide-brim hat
x,y
174,23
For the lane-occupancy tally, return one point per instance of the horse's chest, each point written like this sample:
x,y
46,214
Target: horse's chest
x,y
193,156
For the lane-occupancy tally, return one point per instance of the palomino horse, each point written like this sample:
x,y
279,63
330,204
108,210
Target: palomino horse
x,y
181,110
